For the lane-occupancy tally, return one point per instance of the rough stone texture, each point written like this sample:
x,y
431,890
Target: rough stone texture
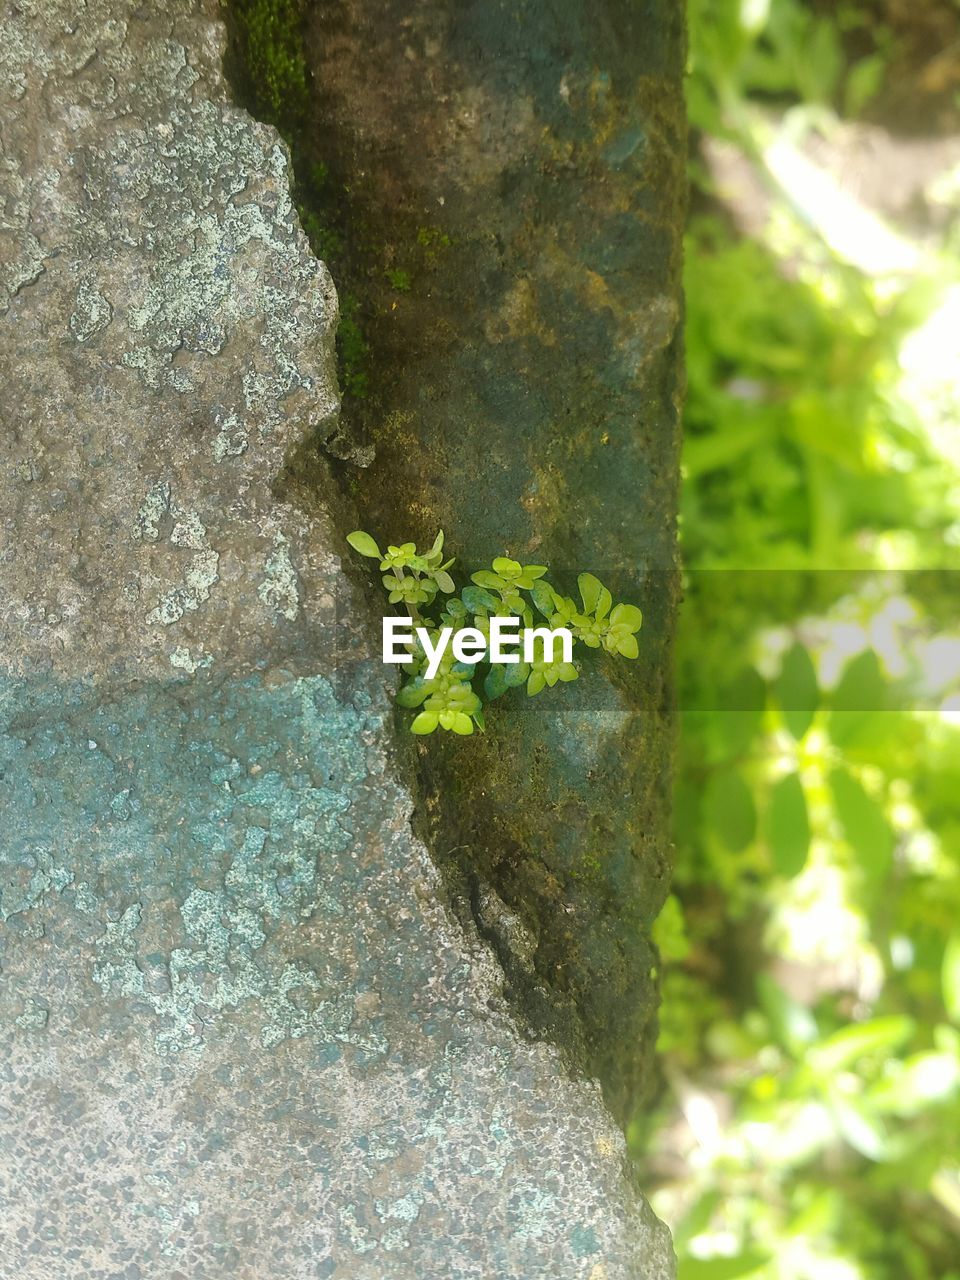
x,y
241,1036
524,396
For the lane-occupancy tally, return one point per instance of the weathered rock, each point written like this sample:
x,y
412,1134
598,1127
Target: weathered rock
x,y
242,1037
524,396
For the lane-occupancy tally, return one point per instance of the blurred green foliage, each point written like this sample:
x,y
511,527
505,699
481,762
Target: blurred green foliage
x,y
810,951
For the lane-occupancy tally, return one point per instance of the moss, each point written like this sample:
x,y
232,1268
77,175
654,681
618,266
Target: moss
x,y
267,65
267,60
352,348
400,280
432,241
325,241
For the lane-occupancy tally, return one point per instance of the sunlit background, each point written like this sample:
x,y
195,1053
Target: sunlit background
x,y
809,1126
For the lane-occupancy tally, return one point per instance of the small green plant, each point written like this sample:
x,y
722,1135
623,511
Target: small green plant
x,y
400,280
443,687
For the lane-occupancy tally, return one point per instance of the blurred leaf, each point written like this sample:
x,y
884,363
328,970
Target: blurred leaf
x,y
792,1023
744,1264
822,58
859,1127
861,686
849,1044
739,716
788,826
729,810
923,1080
863,82
796,690
951,977
861,693
706,453
696,1219
669,932
863,823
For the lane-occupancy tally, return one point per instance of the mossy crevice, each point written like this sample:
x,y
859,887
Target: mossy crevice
x,y
506,189
267,67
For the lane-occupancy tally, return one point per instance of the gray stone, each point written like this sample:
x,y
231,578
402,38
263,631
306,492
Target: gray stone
x,y
242,1036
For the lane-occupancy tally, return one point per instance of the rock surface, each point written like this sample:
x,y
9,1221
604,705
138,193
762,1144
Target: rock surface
x,y
524,397
241,1035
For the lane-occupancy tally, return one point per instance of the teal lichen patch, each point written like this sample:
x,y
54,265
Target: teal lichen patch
x,y
34,1016
220,813
30,873
232,438
584,1242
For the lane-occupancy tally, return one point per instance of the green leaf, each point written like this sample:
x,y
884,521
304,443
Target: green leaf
x,y
916,1085
863,822
414,692
627,647
425,722
543,597
669,933
796,690
864,80
729,809
479,601
515,674
951,977
696,1219
484,578
739,715
627,616
363,543
444,581
590,589
495,683
862,686
788,826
